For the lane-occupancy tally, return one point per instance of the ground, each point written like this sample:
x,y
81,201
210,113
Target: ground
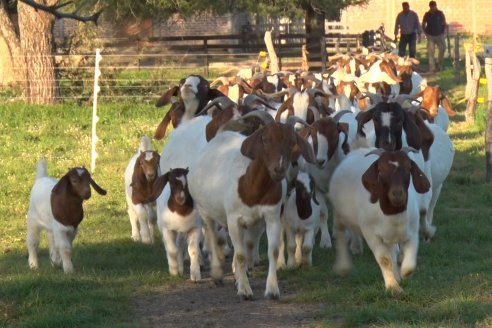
x,y
204,304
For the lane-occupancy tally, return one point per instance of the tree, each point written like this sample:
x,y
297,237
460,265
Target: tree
x,y
26,32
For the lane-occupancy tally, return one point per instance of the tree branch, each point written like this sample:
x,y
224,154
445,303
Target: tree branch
x,y
54,11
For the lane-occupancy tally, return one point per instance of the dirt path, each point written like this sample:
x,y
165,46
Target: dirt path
x,y
204,304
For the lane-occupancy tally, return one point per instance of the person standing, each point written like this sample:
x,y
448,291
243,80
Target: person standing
x,y
434,25
408,24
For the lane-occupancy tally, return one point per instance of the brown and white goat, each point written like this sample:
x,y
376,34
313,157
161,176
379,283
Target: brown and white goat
x,y
56,206
178,221
141,172
300,222
437,105
252,191
383,208
192,94
329,141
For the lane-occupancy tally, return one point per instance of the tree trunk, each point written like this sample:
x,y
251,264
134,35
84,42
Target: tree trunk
x,y
315,32
12,64
37,44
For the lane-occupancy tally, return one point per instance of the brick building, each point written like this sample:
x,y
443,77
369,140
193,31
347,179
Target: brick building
x,y
459,15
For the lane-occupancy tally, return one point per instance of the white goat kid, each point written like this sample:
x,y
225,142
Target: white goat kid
x,y
56,206
301,221
141,172
178,221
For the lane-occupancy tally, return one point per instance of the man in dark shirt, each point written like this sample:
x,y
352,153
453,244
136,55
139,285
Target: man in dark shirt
x,y
434,25
407,22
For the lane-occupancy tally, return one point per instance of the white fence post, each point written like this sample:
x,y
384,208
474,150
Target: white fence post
x,y
95,118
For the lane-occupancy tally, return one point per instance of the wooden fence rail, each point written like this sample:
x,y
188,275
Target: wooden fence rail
x,y
287,46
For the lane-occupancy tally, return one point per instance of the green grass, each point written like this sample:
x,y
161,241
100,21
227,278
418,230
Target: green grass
x,y
451,287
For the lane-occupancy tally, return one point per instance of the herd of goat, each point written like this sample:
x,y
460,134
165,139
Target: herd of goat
x,y
259,152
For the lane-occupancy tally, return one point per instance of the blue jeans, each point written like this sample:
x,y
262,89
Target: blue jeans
x,y
411,40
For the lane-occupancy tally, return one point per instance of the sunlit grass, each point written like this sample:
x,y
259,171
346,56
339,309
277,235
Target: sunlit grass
x,y
450,288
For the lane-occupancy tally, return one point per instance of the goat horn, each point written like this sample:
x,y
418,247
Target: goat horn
x,y
250,99
289,91
409,149
223,79
339,114
217,102
292,120
244,123
317,92
377,152
375,98
264,116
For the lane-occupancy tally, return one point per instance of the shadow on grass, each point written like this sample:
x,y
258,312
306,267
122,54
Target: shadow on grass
x,y
106,276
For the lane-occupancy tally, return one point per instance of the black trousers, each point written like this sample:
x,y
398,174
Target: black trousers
x,y
411,41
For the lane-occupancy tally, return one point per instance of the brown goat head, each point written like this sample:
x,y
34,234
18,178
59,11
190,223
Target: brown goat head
x,y
273,145
180,200
145,171
69,193
387,179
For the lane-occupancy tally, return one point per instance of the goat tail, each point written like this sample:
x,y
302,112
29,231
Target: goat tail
x,y
41,169
145,144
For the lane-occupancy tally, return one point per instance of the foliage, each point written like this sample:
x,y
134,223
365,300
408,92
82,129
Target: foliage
x,y
186,8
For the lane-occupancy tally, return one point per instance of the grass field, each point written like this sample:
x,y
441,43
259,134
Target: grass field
x,y
452,286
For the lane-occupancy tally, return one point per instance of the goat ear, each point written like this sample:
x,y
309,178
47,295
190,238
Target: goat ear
x,y
60,187
285,105
426,136
304,133
166,98
97,188
160,132
362,118
252,146
306,149
344,127
414,139
158,186
447,106
370,181
419,179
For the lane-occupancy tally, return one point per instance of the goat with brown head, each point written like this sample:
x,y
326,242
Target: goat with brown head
x,y
56,206
388,179
145,172
193,94
69,193
178,221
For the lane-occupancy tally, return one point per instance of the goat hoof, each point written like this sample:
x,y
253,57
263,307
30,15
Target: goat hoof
x,y
247,297
395,289
407,273
342,270
272,296
219,282
325,244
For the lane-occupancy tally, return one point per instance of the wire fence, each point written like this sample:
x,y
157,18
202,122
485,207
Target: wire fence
x,y
128,76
